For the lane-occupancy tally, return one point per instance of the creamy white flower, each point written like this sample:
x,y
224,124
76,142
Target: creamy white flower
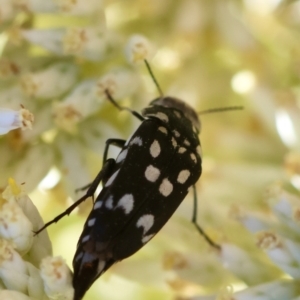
x,y
12,267
76,106
50,39
283,252
40,154
92,135
66,116
16,273
40,6
254,222
285,207
50,82
57,278
276,290
251,271
35,284
73,158
41,246
92,43
138,49
15,226
268,240
18,219
13,295
120,83
79,7
12,119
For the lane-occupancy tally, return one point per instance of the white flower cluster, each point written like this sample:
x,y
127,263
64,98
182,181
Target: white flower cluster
x,y
65,94
27,268
57,59
278,235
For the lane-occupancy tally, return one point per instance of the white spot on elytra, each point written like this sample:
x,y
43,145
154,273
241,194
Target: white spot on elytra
x,y
126,202
162,116
137,141
177,114
111,178
186,142
146,238
145,221
193,157
98,205
127,142
85,239
87,258
122,156
109,203
181,150
91,222
101,265
166,187
163,129
183,176
176,133
199,150
152,173
79,256
155,149
174,143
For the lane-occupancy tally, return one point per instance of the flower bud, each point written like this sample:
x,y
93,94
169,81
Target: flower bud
x,y
12,267
283,252
12,119
57,278
119,83
14,225
139,49
51,82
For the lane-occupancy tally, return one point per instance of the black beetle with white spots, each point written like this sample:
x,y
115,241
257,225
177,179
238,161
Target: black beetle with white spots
x,y
155,169
142,188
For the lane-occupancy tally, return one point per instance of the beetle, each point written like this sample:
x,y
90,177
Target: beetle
x,y
152,174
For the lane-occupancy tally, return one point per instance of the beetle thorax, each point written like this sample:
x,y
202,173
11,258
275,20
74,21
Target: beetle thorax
x,y
180,105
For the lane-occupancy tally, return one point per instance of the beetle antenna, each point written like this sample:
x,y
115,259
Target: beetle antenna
x,y
153,78
220,109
